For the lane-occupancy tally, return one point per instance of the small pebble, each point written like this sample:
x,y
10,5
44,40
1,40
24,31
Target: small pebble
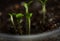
x,y
50,20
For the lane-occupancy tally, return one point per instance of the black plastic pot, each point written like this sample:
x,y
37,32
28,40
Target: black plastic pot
x,y
38,37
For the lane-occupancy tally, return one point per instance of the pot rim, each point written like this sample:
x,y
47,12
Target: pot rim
x,y
41,35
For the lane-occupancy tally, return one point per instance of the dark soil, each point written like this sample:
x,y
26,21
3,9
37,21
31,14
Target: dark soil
x,y
52,20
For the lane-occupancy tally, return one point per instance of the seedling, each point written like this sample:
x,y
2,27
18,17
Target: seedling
x,y
18,18
28,16
43,3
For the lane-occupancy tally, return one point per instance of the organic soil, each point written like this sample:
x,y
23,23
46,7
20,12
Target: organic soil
x,y
52,20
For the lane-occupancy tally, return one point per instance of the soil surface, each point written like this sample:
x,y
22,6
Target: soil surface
x,y
52,20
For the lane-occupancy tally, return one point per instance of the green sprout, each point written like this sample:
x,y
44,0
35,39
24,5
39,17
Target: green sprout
x,y
28,16
18,18
43,2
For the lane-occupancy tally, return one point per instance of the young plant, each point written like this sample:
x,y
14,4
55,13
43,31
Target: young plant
x,y
18,18
28,16
43,3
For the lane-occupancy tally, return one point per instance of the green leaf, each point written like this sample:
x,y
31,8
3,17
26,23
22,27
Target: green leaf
x,y
43,1
19,15
25,5
29,15
30,2
13,14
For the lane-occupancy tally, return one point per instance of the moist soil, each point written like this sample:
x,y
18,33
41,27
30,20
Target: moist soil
x,y
52,16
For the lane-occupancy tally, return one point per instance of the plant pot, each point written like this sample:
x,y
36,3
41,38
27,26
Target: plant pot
x,y
46,36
